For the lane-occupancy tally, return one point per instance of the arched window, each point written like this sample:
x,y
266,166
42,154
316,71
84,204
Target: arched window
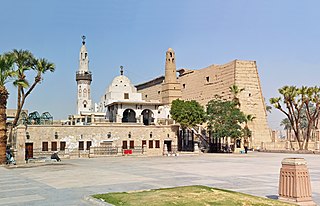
x,y
80,92
147,117
85,104
84,92
88,92
129,115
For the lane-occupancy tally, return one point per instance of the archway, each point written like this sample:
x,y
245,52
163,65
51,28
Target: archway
x,y
147,116
129,115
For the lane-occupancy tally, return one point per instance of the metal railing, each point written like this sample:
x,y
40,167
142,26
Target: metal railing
x,y
106,150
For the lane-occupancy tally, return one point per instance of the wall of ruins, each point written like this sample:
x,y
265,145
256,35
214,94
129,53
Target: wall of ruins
x,y
288,146
251,100
152,93
151,90
202,85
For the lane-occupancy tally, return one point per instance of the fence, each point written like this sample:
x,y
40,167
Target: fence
x,y
113,150
104,151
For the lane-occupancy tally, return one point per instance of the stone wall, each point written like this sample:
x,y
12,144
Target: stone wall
x,y
289,146
202,85
251,100
98,135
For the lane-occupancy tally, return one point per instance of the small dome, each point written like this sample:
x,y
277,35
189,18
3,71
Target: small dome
x,y
121,80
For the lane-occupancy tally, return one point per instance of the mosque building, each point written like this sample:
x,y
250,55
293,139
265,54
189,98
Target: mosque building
x,y
121,103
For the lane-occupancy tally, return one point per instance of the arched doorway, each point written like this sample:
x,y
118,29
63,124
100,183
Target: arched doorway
x,y
147,116
129,115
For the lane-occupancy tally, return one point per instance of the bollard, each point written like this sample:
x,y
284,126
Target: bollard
x,y
144,149
196,148
288,146
294,183
165,150
317,147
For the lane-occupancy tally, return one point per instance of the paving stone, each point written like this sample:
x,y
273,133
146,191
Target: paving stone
x,y
68,183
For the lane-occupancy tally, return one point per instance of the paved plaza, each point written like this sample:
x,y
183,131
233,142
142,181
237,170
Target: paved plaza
x,y
68,182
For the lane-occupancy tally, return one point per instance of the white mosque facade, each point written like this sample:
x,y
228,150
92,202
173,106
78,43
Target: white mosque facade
x,y
121,103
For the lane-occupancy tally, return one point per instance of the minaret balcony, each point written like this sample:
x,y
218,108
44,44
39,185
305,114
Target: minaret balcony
x,y
84,76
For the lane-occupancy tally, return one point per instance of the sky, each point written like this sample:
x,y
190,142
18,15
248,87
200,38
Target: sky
x,y
282,36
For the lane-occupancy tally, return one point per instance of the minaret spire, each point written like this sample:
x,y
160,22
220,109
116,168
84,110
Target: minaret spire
x,y
121,70
171,89
83,78
83,39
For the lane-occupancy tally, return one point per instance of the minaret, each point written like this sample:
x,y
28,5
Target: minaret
x,y
83,78
171,89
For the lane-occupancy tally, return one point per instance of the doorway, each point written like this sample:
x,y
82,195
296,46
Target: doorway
x,y
168,143
29,150
129,116
147,115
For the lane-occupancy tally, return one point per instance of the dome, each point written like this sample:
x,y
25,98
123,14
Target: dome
x,y
121,84
119,80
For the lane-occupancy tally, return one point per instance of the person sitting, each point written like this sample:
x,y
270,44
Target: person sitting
x,y
55,156
9,157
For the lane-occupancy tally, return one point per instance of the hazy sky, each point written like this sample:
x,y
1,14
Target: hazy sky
x,y
282,36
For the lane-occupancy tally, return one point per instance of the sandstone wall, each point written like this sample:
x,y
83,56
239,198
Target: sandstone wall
x,y
151,90
202,85
288,146
152,93
251,100
98,135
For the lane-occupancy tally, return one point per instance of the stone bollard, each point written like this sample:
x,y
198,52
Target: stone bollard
x,y
144,149
91,152
294,183
288,146
165,150
317,147
196,148
21,145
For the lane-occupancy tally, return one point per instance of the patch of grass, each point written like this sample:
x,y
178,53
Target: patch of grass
x,y
185,196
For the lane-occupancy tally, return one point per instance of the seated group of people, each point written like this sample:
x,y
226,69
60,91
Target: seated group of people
x,y
55,156
9,157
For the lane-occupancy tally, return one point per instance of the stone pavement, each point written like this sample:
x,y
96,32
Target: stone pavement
x,y
67,183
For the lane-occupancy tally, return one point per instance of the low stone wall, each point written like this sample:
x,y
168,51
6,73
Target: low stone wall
x,y
77,140
288,146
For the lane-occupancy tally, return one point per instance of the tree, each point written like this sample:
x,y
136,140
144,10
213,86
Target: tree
x,y
285,123
187,113
224,118
234,89
246,131
268,108
6,72
24,61
301,106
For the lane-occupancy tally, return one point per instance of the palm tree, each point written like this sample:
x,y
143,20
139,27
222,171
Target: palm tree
x,y
6,72
285,123
40,66
246,131
24,60
268,108
234,89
